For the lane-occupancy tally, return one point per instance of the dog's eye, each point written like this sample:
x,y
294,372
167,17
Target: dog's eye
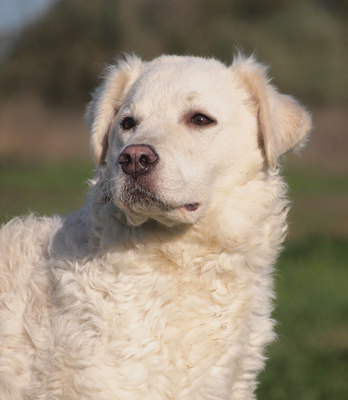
x,y
201,120
128,123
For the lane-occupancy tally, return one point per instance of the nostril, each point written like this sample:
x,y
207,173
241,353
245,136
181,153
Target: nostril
x,y
148,158
124,158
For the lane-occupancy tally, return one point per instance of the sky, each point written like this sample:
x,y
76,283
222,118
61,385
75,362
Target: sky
x,y
16,13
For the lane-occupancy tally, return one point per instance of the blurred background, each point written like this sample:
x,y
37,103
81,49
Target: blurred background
x,y
51,54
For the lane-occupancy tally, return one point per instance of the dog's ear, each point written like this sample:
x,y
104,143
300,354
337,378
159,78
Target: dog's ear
x,y
283,123
106,102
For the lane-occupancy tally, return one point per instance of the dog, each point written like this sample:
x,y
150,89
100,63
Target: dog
x,y
160,287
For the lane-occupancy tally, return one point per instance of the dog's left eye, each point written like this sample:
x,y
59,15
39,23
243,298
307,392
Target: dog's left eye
x,y
201,120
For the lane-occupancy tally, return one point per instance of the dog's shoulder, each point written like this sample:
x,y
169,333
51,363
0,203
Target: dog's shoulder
x,y
23,244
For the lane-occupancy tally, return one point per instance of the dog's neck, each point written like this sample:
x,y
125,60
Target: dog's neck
x,y
107,226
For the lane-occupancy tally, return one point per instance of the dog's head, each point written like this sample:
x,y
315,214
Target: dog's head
x,y
171,133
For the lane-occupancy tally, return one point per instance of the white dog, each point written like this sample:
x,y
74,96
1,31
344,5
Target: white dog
x,y
160,287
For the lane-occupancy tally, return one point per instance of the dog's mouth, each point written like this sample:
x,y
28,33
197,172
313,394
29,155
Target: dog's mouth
x,y
139,198
191,206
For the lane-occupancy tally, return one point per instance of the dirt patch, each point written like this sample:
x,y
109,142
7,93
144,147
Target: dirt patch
x,y
31,132
327,148
333,338
326,215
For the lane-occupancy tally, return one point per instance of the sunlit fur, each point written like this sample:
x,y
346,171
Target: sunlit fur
x,y
152,300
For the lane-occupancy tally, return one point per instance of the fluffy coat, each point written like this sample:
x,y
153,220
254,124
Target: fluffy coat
x,y
160,287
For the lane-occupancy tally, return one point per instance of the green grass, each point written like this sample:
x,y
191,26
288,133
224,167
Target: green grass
x,y
315,183
309,361
319,203
44,190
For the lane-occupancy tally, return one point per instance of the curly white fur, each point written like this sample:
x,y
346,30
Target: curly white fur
x,y
156,299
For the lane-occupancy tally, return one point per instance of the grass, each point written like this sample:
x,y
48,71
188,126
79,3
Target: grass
x,y
315,183
319,203
309,361
45,190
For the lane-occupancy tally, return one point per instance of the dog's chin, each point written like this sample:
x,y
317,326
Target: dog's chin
x,y
187,214
138,211
134,218
140,204
178,216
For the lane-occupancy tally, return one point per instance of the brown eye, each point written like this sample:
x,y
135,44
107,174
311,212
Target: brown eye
x,y
128,123
201,120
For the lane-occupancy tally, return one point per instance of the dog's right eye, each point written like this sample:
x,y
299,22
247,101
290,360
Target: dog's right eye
x,y
128,123
201,120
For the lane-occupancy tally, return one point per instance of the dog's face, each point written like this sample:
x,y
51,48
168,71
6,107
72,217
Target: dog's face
x,y
179,130
173,133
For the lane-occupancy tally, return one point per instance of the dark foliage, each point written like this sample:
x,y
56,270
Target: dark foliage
x,y
60,56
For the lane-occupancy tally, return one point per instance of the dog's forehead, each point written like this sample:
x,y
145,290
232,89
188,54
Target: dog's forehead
x,y
190,78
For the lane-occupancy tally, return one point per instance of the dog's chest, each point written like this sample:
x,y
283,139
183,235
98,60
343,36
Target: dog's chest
x,y
147,323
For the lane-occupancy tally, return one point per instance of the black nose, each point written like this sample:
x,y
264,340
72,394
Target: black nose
x,y
137,160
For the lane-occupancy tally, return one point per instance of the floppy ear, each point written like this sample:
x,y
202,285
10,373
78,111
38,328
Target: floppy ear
x,y
283,122
106,102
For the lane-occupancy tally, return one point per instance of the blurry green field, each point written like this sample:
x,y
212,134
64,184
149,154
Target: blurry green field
x,y
43,190
309,361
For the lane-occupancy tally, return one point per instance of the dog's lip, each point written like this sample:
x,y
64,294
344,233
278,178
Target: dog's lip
x,y
191,206
139,194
